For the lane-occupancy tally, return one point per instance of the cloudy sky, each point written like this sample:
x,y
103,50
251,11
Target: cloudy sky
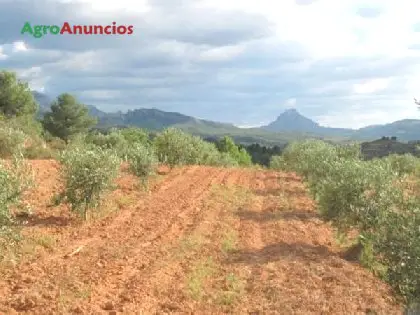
x,y
343,63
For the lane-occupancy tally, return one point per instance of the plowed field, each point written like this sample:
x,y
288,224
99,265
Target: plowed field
x,y
204,240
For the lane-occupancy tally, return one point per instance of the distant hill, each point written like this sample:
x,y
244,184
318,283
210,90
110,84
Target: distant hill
x,y
407,130
154,119
288,126
385,146
292,120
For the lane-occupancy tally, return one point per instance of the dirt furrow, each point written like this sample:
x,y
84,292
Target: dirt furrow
x,y
139,286
165,289
172,212
294,265
96,262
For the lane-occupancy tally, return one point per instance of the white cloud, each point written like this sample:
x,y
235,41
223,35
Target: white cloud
x,y
222,53
371,86
290,103
137,6
19,46
3,56
100,94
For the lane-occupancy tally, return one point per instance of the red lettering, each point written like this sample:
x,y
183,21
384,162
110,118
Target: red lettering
x,y
66,28
96,28
77,29
121,30
107,31
130,30
87,29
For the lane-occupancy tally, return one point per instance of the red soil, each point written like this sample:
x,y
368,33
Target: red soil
x,y
132,260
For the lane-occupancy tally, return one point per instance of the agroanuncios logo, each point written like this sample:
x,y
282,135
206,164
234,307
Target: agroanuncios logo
x,y
66,28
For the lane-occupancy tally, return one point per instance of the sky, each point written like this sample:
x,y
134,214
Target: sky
x,y
344,63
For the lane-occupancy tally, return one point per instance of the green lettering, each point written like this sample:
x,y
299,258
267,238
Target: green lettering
x,y
46,27
27,28
54,29
38,31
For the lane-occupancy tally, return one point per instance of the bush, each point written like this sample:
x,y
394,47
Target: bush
x,y
142,161
12,141
369,196
403,164
39,152
176,147
173,147
14,180
206,153
87,173
356,194
399,247
277,163
113,140
227,145
135,135
226,160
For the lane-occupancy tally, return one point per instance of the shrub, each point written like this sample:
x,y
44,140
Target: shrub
x,y
12,141
227,145
15,178
226,160
135,135
277,162
175,147
399,248
369,196
142,161
206,153
39,152
113,140
403,164
356,194
87,174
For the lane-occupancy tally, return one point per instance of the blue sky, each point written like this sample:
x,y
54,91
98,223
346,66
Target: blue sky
x,y
342,63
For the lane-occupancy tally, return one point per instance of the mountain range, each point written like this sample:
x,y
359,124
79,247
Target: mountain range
x,y
290,125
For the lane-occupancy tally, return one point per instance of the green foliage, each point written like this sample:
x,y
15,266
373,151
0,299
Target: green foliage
x,y
225,160
119,140
403,164
114,140
135,135
205,153
16,98
11,141
142,161
368,196
87,173
261,154
15,178
176,147
27,124
38,149
277,162
227,145
173,147
67,118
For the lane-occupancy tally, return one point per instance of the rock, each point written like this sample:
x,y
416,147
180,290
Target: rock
x,y
108,306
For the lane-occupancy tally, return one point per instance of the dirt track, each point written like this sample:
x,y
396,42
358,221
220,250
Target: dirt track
x,y
205,240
